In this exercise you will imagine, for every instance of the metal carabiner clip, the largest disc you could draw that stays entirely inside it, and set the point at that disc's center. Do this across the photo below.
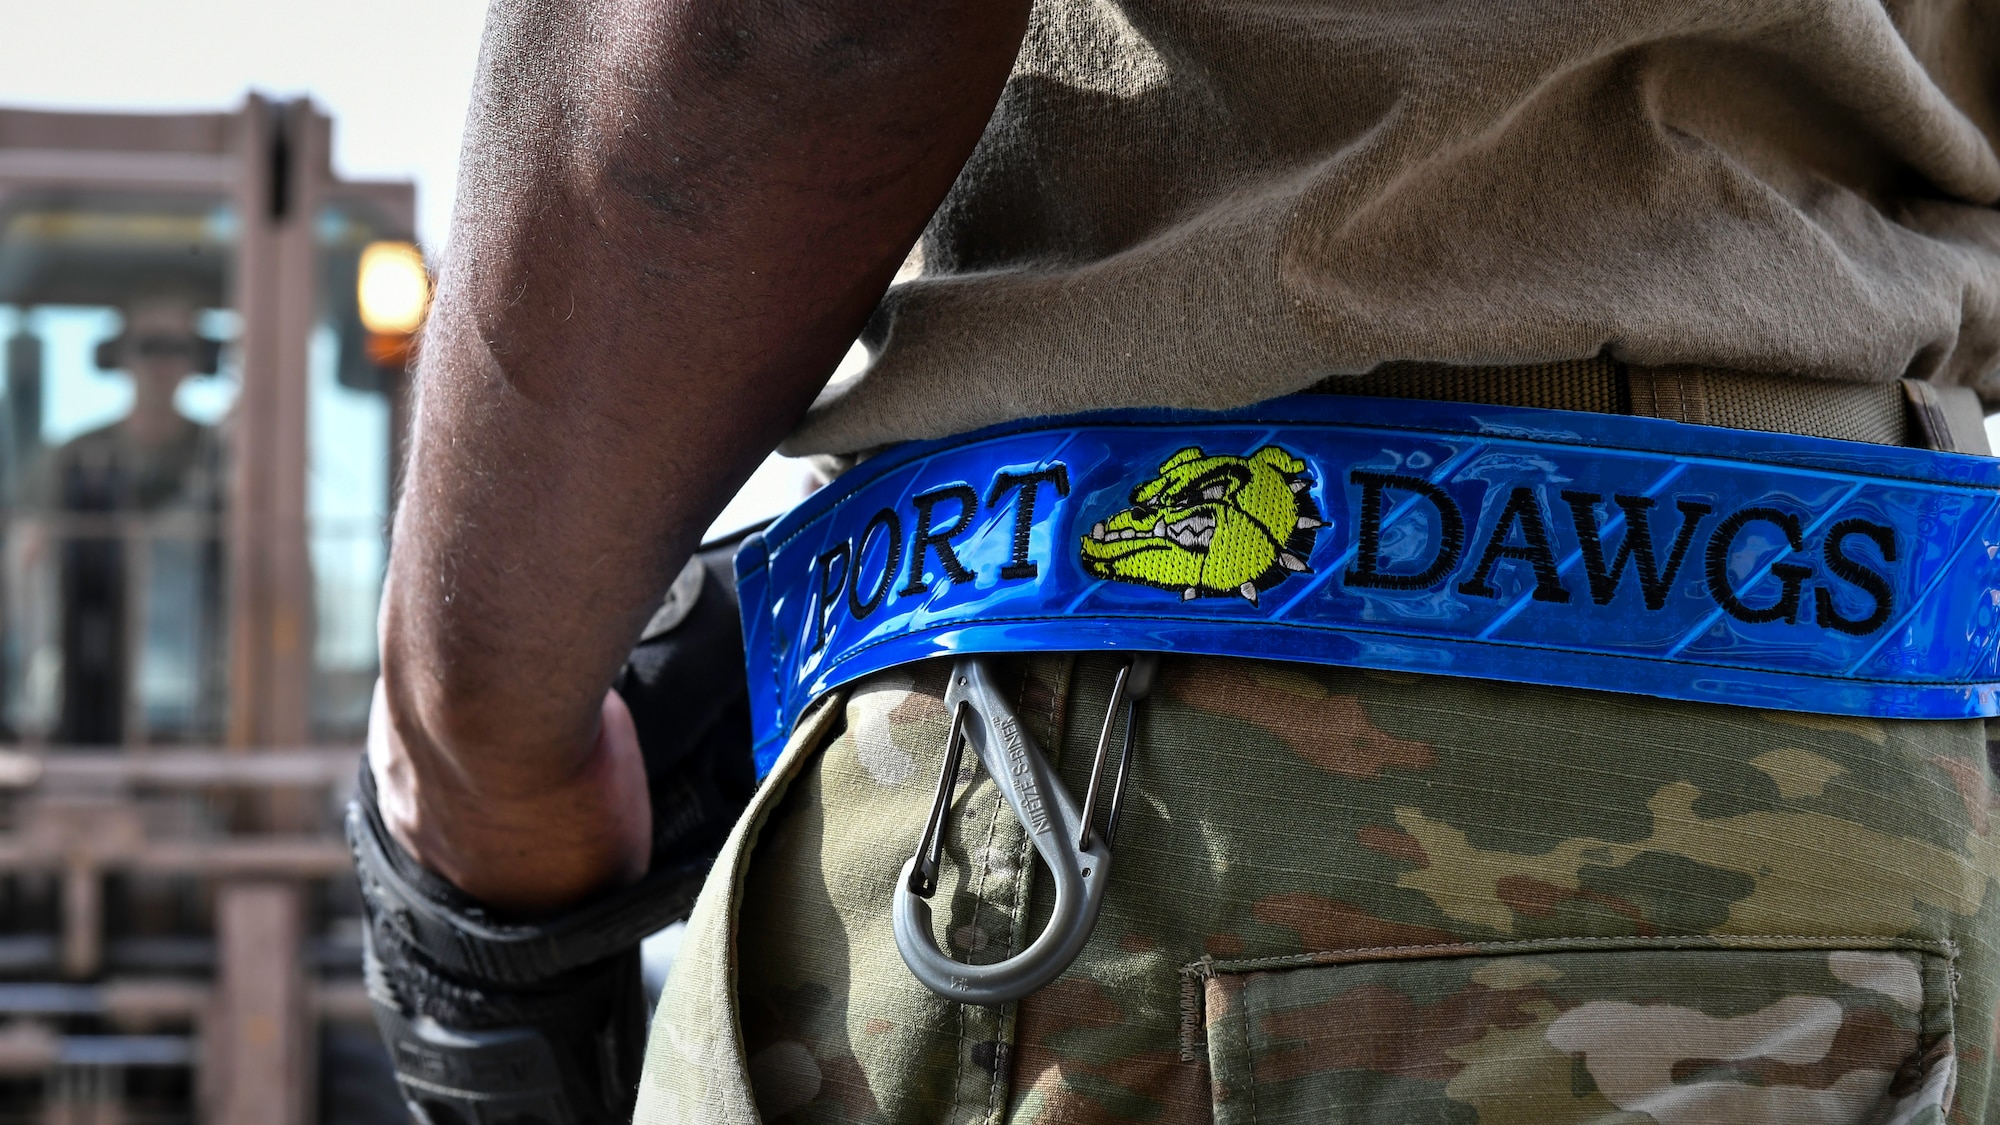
(1077, 858)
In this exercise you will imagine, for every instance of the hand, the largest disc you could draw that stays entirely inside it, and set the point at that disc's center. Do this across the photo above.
(532, 844)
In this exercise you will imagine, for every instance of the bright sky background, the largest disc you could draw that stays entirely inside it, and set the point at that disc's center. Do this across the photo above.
(394, 74)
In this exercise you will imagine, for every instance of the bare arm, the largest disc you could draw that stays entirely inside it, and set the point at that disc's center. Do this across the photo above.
(674, 215)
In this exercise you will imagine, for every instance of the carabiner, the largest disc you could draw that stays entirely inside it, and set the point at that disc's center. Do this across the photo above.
(1079, 861)
(1135, 682)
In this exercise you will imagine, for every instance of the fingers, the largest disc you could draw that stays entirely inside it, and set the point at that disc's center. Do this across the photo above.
(618, 744)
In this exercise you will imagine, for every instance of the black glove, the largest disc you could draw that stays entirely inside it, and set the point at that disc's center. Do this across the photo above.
(492, 1021)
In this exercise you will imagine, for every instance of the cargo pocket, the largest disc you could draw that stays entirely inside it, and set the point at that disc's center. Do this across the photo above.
(1743, 1033)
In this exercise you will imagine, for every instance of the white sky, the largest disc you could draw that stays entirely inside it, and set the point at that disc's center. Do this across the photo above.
(394, 74)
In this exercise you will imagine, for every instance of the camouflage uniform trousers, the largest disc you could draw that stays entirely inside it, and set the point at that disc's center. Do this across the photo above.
(1344, 896)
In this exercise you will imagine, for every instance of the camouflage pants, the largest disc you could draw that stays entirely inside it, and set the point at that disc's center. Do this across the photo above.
(1353, 897)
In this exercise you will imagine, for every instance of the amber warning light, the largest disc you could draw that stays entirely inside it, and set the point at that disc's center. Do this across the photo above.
(393, 291)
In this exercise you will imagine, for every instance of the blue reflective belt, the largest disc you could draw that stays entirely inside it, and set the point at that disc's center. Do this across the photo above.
(1536, 546)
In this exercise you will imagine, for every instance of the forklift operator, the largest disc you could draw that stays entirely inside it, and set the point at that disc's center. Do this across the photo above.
(1479, 509)
(153, 460)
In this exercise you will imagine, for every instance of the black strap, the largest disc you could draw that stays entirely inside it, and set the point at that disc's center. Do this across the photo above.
(464, 939)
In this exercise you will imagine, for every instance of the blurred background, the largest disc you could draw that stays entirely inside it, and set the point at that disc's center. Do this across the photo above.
(219, 223)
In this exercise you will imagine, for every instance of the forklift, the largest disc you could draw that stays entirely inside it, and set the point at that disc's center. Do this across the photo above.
(206, 337)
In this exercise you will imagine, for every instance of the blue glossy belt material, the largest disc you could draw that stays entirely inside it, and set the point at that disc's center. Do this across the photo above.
(1536, 546)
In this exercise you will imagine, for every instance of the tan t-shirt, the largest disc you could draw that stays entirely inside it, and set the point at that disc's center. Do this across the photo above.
(1211, 202)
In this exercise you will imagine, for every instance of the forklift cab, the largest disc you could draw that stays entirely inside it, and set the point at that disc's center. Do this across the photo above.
(205, 334)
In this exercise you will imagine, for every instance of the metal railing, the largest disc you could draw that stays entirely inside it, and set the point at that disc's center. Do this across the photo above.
(80, 817)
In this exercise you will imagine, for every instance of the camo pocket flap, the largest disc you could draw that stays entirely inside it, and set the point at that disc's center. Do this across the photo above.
(1714, 1036)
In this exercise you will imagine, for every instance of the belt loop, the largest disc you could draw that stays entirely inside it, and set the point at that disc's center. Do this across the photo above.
(1949, 419)
(1677, 394)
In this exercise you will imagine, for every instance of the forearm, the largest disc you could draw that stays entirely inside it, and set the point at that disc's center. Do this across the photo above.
(672, 220)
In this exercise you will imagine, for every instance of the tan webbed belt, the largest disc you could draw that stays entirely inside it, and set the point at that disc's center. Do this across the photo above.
(1908, 412)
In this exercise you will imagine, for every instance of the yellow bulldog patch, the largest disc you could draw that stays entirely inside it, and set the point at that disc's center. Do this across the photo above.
(1211, 526)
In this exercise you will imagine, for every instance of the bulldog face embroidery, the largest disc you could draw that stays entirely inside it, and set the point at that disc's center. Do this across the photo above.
(1218, 526)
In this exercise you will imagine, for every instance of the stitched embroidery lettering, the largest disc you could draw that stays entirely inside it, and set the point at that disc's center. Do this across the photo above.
(1211, 526)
